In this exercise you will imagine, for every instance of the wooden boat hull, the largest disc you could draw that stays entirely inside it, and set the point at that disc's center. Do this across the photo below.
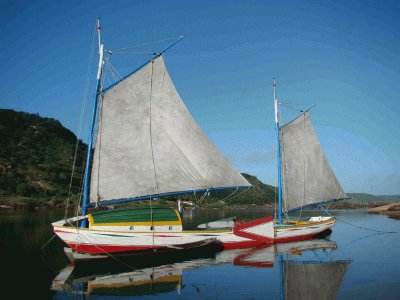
(303, 230)
(258, 232)
(101, 243)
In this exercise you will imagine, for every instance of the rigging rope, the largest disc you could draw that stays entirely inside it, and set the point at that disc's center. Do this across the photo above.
(241, 192)
(304, 172)
(99, 152)
(135, 53)
(365, 228)
(45, 244)
(146, 44)
(151, 145)
(83, 105)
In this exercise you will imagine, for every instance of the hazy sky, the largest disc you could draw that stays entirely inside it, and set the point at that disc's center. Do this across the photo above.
(342, 56)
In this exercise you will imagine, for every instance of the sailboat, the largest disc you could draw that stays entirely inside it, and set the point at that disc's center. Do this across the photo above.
(144, 144)
(305, 179)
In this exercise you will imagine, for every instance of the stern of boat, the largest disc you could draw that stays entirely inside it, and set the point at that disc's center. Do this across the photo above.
(292, 231)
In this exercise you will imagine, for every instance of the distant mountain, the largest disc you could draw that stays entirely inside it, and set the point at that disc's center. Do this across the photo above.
(36, 156)
(362, 198)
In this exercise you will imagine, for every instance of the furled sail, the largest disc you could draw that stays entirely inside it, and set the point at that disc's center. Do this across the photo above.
(148, 142)
(307, 177)
(313, 280)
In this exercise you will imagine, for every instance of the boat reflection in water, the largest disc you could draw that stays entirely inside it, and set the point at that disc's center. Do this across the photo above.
(306, 270)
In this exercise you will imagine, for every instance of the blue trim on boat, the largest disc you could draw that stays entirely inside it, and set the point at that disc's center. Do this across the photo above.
(147, 197)
(317, 204)
(86, 182)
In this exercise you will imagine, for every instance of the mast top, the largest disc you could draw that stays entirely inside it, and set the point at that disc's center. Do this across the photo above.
(98, 27)
(99, 70)
(276, 104)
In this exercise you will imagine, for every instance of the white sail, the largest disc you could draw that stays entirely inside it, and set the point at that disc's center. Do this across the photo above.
(148, 142)
(307, 177)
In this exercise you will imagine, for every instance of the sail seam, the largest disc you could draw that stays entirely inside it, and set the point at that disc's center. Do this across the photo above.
(152, 150)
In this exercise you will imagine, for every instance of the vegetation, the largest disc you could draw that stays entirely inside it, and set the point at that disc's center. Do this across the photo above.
(36, 157)
(260, 194)
(362, 198)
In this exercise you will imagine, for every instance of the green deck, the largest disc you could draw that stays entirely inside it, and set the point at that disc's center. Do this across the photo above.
(141, 214)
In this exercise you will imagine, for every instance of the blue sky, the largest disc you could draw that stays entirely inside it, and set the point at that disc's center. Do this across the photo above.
(342, 56)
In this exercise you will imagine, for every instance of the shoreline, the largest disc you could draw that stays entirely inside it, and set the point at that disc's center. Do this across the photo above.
(388, 209)
(391, 210)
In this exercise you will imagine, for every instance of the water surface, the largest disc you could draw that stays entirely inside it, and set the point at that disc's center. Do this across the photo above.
(354, 263)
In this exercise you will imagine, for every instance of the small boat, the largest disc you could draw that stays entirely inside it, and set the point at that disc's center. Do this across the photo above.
(305, 179)
(144, 145)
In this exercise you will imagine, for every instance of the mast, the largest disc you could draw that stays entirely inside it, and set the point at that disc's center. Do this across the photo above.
(276, 105)
(86, 184)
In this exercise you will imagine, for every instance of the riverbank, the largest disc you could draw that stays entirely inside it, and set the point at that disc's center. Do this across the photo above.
(392, 210)
(33, 203)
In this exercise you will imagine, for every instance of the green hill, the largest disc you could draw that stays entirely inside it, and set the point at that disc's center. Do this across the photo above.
(261, 194)
(36, 157)
(362, 198)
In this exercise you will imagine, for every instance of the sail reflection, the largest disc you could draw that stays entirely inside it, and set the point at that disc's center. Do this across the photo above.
(308, 270)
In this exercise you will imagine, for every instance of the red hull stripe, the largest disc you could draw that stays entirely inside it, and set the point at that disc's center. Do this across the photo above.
(245, 259)
(252, 264)
(239, 230)
(298, 237)
(101, 249)
(242, 245)
(62, 231)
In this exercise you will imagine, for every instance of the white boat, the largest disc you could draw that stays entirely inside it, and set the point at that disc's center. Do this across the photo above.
(145, 144)
(305, 179)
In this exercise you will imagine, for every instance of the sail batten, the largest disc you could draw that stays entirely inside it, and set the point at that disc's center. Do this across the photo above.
(148, 142)
(307, 178)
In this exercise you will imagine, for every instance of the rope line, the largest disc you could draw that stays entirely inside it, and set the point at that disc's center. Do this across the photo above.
(145, 53)
(83, 105)
(152, 149)
(365, 228)
(145, 44)
(233, 196)
(45, 244)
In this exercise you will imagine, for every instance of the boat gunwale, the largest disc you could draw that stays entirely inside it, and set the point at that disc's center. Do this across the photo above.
(306, 223)
(144, 232)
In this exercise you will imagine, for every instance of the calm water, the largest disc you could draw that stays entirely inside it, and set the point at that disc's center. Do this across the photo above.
(353, 264)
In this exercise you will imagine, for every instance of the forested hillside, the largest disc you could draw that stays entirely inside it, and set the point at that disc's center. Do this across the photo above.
(36, 156)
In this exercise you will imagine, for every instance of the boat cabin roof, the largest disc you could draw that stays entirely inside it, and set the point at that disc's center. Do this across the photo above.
(140, 214)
